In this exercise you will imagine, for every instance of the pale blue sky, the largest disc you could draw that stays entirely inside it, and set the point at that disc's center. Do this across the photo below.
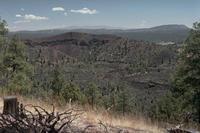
(47, 14)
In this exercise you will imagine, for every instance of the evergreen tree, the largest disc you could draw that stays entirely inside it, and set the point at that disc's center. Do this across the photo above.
(185, 96)
(113, 96)
(124, 100)
(15, 68)
(71, 92)
(68, 91)
(167, 109)
(58, 83)
(92, 94)
(187, 78)
(3, 44)
(3, 28)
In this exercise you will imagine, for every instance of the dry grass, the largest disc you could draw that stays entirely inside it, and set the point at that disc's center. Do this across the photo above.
(137, 123)
(94, 116)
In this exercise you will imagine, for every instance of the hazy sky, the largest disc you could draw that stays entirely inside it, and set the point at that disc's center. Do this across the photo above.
(47, 14)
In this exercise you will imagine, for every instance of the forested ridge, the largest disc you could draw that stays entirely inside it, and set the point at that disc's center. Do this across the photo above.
(122, 75)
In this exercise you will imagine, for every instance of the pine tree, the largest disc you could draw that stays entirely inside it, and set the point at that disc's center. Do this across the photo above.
(124, 100)
(92, 94)
(3, 44)
(184, 97)
(187, 76)
(16, 68)
(71, 92)
(167, 109)
(113, 96)
(58, 82)
(3, 28)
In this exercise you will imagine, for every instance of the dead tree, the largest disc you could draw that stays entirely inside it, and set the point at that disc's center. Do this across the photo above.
(38, 120)
(10, 105)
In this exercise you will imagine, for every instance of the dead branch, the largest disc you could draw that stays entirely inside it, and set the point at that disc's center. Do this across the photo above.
(105, 127)
(87, 127)
(39, 120)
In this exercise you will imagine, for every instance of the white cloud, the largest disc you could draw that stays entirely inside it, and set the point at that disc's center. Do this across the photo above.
(34, 17)
(65, 14)
(27, 18)
(60, 9)
(12, 28)
(18, 15)
(85, 11)
(22, 9)
(22, 21)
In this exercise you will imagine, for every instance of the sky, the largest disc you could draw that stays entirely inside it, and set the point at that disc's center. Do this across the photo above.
(51, 14)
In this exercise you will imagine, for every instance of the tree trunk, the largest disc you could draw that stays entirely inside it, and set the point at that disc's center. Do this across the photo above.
(11, 105)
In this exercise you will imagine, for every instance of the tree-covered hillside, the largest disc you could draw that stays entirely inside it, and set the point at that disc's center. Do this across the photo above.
(122, 75)
(107, 61)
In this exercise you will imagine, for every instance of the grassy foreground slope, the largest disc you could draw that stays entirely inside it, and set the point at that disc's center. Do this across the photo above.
(91, 119)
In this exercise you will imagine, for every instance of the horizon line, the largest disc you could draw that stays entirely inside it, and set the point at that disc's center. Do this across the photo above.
(92, 27)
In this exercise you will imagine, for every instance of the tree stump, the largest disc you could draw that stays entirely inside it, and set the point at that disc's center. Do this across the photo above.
(11, 105)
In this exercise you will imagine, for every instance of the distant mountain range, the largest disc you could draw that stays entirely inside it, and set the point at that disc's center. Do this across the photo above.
(175, 33)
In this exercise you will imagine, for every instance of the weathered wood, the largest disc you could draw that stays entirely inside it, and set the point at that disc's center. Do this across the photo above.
(177, 130)
(11, 105)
